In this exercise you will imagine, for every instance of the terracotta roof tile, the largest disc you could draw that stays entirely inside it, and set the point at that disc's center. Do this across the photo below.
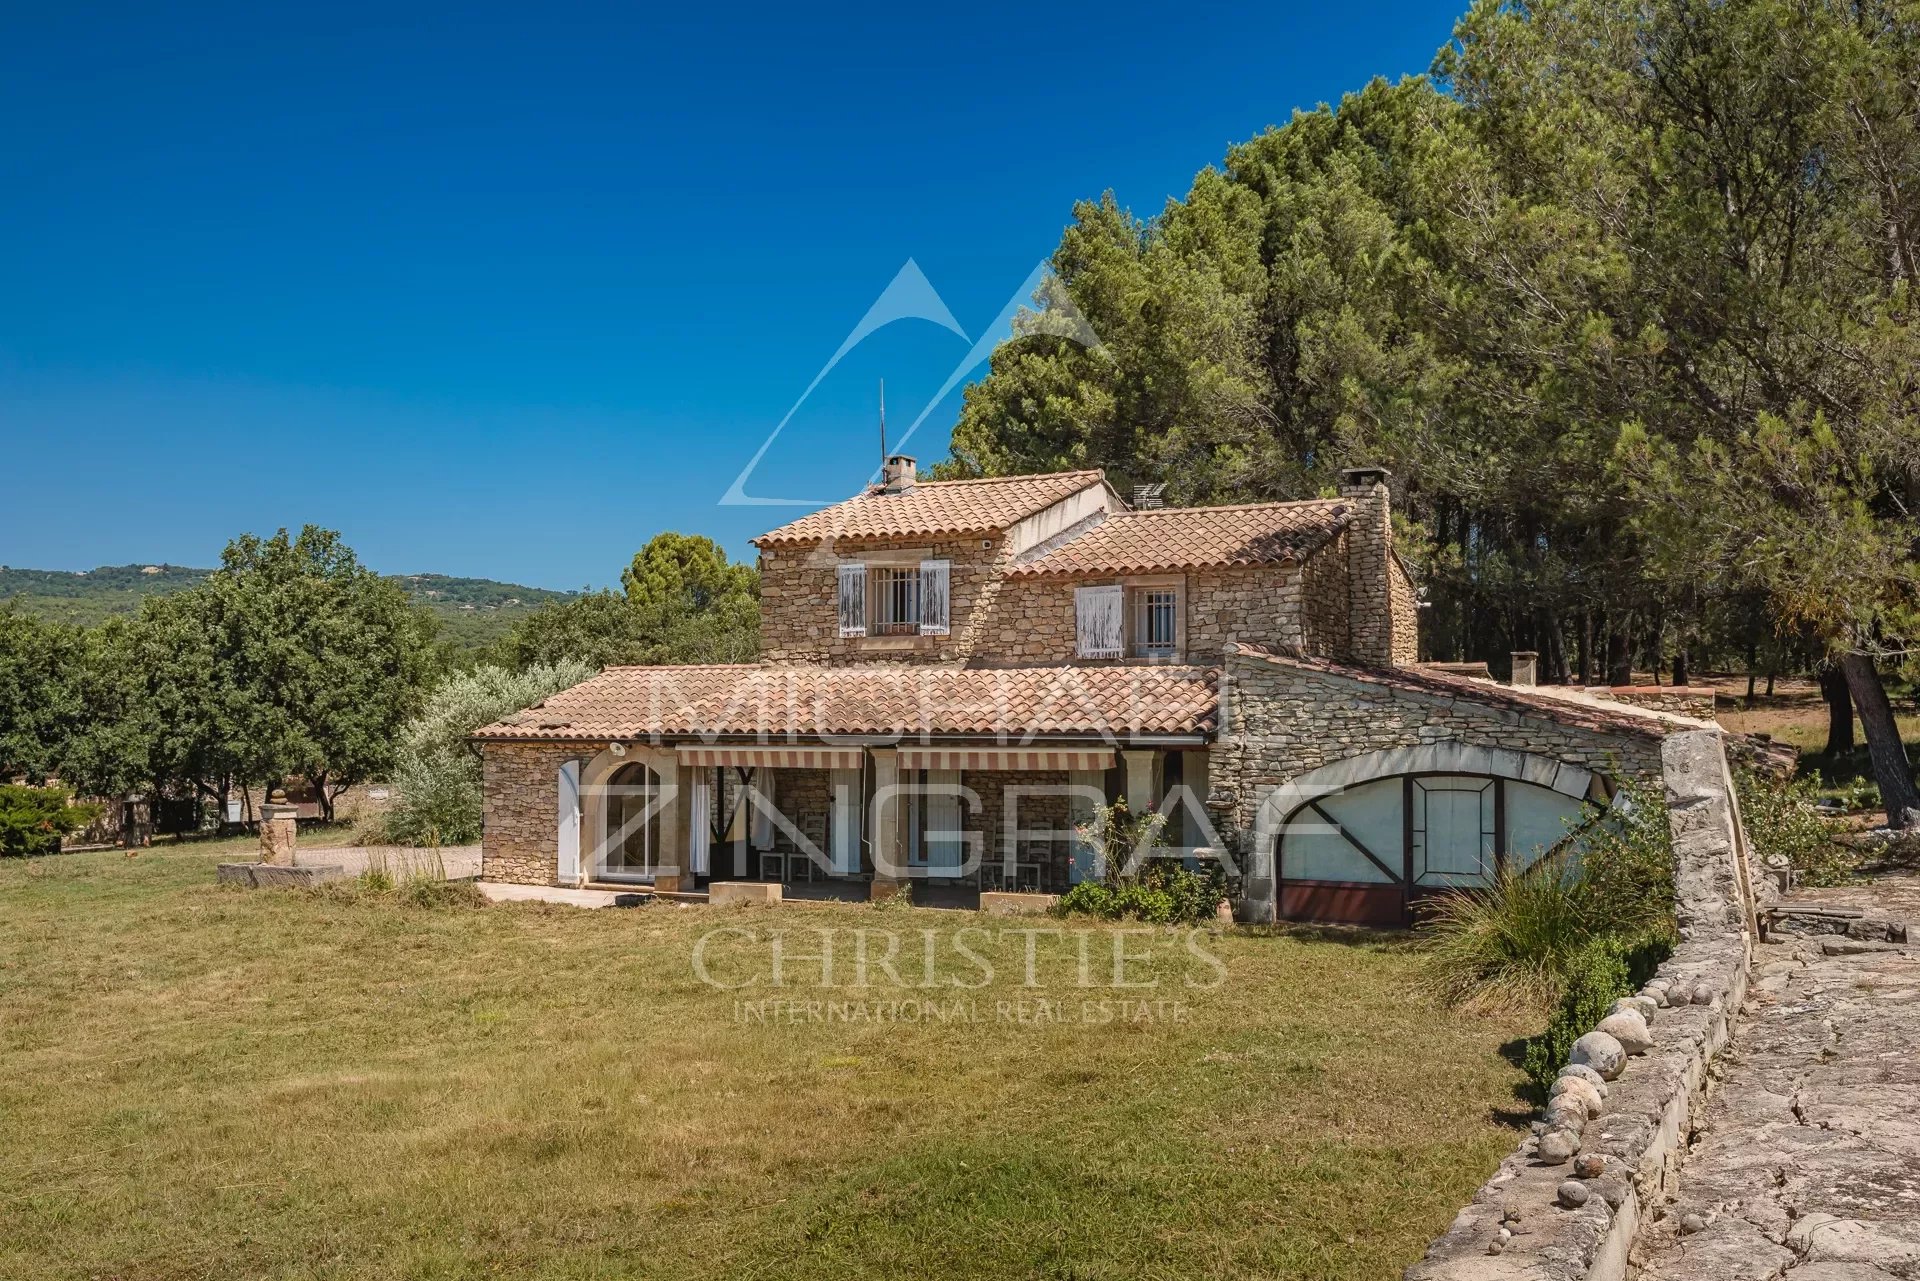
(770, 703)
(1170, 538)
(934, 507)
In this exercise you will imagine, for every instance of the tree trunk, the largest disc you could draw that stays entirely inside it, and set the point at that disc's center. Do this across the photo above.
(1585, 647)
(1680, 672)
(1890, 768)
(1833, 688)
(1619, 657)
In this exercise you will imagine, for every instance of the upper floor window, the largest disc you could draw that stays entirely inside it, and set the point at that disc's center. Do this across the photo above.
(1155, 619)
(901, 599)
(893, 595)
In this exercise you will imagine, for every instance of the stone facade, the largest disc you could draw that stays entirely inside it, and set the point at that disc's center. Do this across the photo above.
(1679, 700)
(1351, 600)
(799, 614)
(1406, 614)
(1325, 630)
(521, 811)
(1369, 549)
(1281, 720)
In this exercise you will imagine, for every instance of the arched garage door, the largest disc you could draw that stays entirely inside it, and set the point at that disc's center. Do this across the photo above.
(1367, 853)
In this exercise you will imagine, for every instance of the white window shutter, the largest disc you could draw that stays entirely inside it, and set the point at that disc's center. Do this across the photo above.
(853, 599)
(1097, 617)
(935, 576)
(567, 782)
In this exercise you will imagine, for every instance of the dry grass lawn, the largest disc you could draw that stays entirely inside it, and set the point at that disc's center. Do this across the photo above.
(201, 1082)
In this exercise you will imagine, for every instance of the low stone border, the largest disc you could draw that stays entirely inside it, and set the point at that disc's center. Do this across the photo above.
(1568, 1203)
(1015, 903)
(1848, 922)
(729, 893)
(273, 875)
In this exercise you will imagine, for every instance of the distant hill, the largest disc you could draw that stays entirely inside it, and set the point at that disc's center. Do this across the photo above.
(471, 611)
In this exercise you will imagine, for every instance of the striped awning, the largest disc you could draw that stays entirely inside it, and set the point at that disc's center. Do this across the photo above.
(1081, 758)
(773, 757)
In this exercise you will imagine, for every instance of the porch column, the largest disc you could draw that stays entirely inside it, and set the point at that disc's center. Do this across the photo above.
(888, 858)
(673, 872)
(1139, 762)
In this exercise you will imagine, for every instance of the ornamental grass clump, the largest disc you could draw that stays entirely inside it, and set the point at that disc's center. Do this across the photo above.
(1521, 942)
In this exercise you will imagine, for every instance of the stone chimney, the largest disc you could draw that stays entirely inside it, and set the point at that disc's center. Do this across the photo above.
(896, 474)
(1369, 544)
(1526, 669)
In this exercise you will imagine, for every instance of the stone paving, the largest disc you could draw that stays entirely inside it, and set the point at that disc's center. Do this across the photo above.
(1806, 1163)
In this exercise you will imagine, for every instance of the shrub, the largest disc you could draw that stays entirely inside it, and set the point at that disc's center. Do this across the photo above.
(33, 819)
(436, 777)
(1165, 893)
(1596, 976)
(1783, 819)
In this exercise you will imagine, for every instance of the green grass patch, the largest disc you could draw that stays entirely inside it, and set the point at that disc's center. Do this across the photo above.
(352, 1082)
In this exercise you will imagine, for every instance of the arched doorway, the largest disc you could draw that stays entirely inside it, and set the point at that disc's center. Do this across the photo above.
(630, 837)
(1368, 851)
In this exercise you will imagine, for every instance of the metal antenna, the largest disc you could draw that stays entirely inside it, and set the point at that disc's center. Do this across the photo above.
(883, 422)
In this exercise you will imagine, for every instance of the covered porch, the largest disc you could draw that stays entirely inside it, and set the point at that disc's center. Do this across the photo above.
(843, 820)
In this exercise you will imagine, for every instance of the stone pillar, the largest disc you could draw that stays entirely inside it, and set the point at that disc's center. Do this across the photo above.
(1369, 544)
(278, 828)
(672, 874)
(1526, 669)
(889, 858)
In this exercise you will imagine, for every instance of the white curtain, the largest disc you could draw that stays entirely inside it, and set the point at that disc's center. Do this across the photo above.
(700, 826)
(846, 822)
(944, 841)
(762, 779)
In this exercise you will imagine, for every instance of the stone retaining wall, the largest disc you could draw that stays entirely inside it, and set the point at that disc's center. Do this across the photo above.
(1549, 1217)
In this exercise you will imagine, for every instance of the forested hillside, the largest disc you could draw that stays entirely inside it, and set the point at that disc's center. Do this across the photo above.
(472, 612)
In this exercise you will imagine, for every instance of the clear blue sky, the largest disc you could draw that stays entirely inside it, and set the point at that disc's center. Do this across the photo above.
(504, 293)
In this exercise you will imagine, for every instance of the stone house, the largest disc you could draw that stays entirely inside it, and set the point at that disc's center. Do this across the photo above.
(957, 673)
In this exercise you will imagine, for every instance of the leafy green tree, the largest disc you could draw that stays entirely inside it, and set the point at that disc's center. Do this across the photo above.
(437, 776)
(33, 819)
(39, 708)
(684, 603)
(292, 658)
(329, 659)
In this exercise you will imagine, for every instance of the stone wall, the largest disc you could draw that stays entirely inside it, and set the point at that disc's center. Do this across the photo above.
(1567, 1204)
(1325, 630)
(1679, 700)
(1041, 812)
(519, 838)
(1282, 720)
(1405, 602)
(1369, 548)
(799, 606)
